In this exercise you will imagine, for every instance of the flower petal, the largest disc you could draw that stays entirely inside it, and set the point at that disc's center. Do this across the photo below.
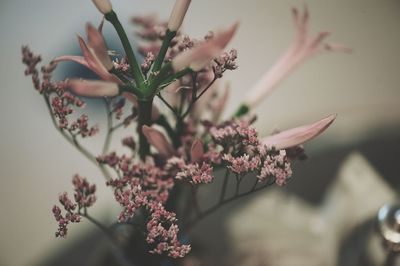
(199, 56)
(158, 141)
(197, 151)
(93, 88)
(303, 47)
(298, 135)
(75, 58)
(95, 64)
(97, 43)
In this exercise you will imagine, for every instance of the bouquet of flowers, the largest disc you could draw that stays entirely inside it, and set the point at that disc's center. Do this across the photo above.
(176, 143)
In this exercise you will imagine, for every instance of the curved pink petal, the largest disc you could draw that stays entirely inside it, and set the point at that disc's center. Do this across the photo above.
(199, 56)
(298, 135)
(97, 43)
(197, 151)
(303, 47)
(93, 88)
(75, 58)
(95, 64)
(158, 141)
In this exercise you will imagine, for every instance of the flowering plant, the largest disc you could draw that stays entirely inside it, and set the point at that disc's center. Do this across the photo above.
(178, 145)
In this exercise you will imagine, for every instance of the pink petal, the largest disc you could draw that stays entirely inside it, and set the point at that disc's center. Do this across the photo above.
(302, 48)
(93, 88)
(158, 141)
(197, 151)
(97, 43)
(199, 56)
(75, 58)
(298, 135)
(94, 63)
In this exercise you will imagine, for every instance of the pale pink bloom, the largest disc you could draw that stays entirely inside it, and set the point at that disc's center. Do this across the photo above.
(199, 56)
(93, 88)
(177, 14)
(158, 141)
(104, 6)
(197, 151)
(298, 135)
(303, 47)
(95, 55)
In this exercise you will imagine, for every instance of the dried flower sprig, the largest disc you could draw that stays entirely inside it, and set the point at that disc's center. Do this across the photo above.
(175, 152)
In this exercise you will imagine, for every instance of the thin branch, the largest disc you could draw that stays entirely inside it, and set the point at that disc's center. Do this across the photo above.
(214, 208)
(74, 141)
(224, 186)
(108, 138)
(167, 104)
(197, 98)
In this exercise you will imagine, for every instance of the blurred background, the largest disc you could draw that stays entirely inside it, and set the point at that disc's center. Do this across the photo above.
(362, 88)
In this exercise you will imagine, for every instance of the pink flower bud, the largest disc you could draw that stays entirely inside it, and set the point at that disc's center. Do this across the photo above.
(298, 135)
(178, 14)
(104, 6)
(97, 43)
(93, 88)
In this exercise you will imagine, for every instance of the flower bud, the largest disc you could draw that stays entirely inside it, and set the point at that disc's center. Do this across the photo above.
(177, 14)
(104, 6)
(299, 135)
(93, 88)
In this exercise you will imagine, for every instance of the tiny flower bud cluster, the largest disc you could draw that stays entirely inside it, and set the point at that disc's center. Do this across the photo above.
(83, 196)
(61, 101)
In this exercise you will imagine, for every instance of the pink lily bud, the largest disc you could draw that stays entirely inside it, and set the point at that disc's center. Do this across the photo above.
(197, 151)
(104, 6)
(97, 43)
(199, 56)
(158, 141)
(298, 135)
(178, 13)
(93, 88)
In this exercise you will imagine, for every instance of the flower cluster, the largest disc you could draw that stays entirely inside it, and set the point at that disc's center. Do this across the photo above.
(84, 197)
(177, 104)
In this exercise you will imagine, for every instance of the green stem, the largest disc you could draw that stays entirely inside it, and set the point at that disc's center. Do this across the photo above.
(136, 72)
(169, 35)
(144, 118)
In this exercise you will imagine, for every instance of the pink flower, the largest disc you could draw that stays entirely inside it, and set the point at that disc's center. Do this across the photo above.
(199, 56)
(303, 47)
(298, 135)
(95, 55)
(178, 13)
